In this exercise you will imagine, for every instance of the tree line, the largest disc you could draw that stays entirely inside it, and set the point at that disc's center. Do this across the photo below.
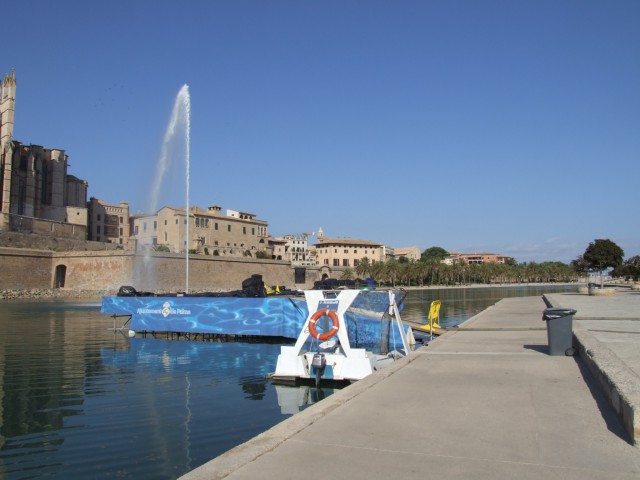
(601, 255)
(425, 272)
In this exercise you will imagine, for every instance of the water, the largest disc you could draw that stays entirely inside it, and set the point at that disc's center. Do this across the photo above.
(460, 304)
(79, 401)
(177, 134)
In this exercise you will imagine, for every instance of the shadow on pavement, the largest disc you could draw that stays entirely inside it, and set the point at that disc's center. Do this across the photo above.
(607, 412)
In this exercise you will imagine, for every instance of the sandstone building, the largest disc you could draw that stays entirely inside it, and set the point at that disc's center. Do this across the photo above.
(108, 223)
(210, 231)
(345, 252)
(294, 249)
(410, 253)
(476, 258)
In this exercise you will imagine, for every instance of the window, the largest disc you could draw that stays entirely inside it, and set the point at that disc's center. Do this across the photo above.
(356, 262)
(120, 231)
(345, 262)
(215, 226)
(120, 219)
(176, 221)
(165, 236)
(135, 230)
(346, 251)
(253, 231)
(244, 230)
(336, 262)
(98, 229)
(228, 228)
(155, 225)
(99, 217)
(165, 222)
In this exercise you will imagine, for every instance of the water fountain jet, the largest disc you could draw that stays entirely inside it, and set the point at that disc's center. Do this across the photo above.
(180, 122)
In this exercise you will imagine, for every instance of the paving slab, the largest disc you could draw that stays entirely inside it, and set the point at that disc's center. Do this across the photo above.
(483, 402)
(607, 332)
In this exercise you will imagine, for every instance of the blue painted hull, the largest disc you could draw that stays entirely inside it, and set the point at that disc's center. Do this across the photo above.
(269, 316)
(275, 316)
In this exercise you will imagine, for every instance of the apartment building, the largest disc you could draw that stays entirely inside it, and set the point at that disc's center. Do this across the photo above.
(108, 223)
(294, 248)
(346, 252)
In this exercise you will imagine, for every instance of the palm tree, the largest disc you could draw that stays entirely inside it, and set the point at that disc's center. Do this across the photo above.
(377, 271)
(364, 267)
(347, 274)
(392, 269)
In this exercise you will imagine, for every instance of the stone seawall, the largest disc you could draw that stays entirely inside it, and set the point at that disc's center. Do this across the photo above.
(26, 269)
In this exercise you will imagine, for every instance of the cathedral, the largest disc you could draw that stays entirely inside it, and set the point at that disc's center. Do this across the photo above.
(37, 195)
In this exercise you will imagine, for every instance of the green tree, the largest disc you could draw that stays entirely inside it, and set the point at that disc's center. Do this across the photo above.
(602, 254)
(434, 254)
(364, 267)
(629, 269)
(377, 271)
(347, 274)
(392, 271)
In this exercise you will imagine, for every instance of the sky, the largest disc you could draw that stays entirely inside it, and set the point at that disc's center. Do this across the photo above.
(495, 126)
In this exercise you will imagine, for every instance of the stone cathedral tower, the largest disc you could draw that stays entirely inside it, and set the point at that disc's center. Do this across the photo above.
(37, 195)
(7, 110)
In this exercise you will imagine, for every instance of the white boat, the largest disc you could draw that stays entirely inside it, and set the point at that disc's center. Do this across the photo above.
(324, 351)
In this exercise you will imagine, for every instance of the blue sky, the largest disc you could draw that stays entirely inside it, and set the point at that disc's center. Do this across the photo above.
(508, 127)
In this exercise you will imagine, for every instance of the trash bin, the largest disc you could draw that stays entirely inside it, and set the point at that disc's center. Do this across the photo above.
(559, 330)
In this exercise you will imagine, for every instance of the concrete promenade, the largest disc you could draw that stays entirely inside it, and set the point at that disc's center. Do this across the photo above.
(484, 401)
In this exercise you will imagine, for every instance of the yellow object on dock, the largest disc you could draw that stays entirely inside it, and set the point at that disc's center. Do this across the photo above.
(432, 325)
(434, 314)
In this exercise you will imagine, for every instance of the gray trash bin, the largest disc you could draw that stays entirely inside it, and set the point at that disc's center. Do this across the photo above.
(559, 330)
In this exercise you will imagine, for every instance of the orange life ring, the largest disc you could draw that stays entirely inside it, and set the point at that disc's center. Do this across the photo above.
(335, 325)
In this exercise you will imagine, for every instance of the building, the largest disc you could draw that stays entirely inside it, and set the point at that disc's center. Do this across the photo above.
(346, 252)
(476, 258)
(294, 249)
(108, 223)
(410, 253)
(278, 248)
(210, 231)
(37, 195)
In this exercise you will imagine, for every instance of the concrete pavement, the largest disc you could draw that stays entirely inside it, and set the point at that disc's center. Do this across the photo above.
(483, 402)
(607, 333)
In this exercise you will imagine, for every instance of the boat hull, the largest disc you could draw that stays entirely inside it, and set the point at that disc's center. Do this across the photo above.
(253, 316)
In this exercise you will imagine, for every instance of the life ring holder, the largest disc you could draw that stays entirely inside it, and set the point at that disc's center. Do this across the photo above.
(335, 324)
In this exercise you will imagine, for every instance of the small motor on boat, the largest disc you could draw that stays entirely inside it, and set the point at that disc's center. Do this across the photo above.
(318, 363)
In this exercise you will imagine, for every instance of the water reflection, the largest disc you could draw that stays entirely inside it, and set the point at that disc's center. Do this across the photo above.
(79, 401)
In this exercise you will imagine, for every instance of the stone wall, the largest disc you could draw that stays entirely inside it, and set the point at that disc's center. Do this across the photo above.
(48, 242)
(25, 269)
(108, 270)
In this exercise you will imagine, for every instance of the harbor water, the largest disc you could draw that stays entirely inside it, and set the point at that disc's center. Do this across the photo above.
(78, 400)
